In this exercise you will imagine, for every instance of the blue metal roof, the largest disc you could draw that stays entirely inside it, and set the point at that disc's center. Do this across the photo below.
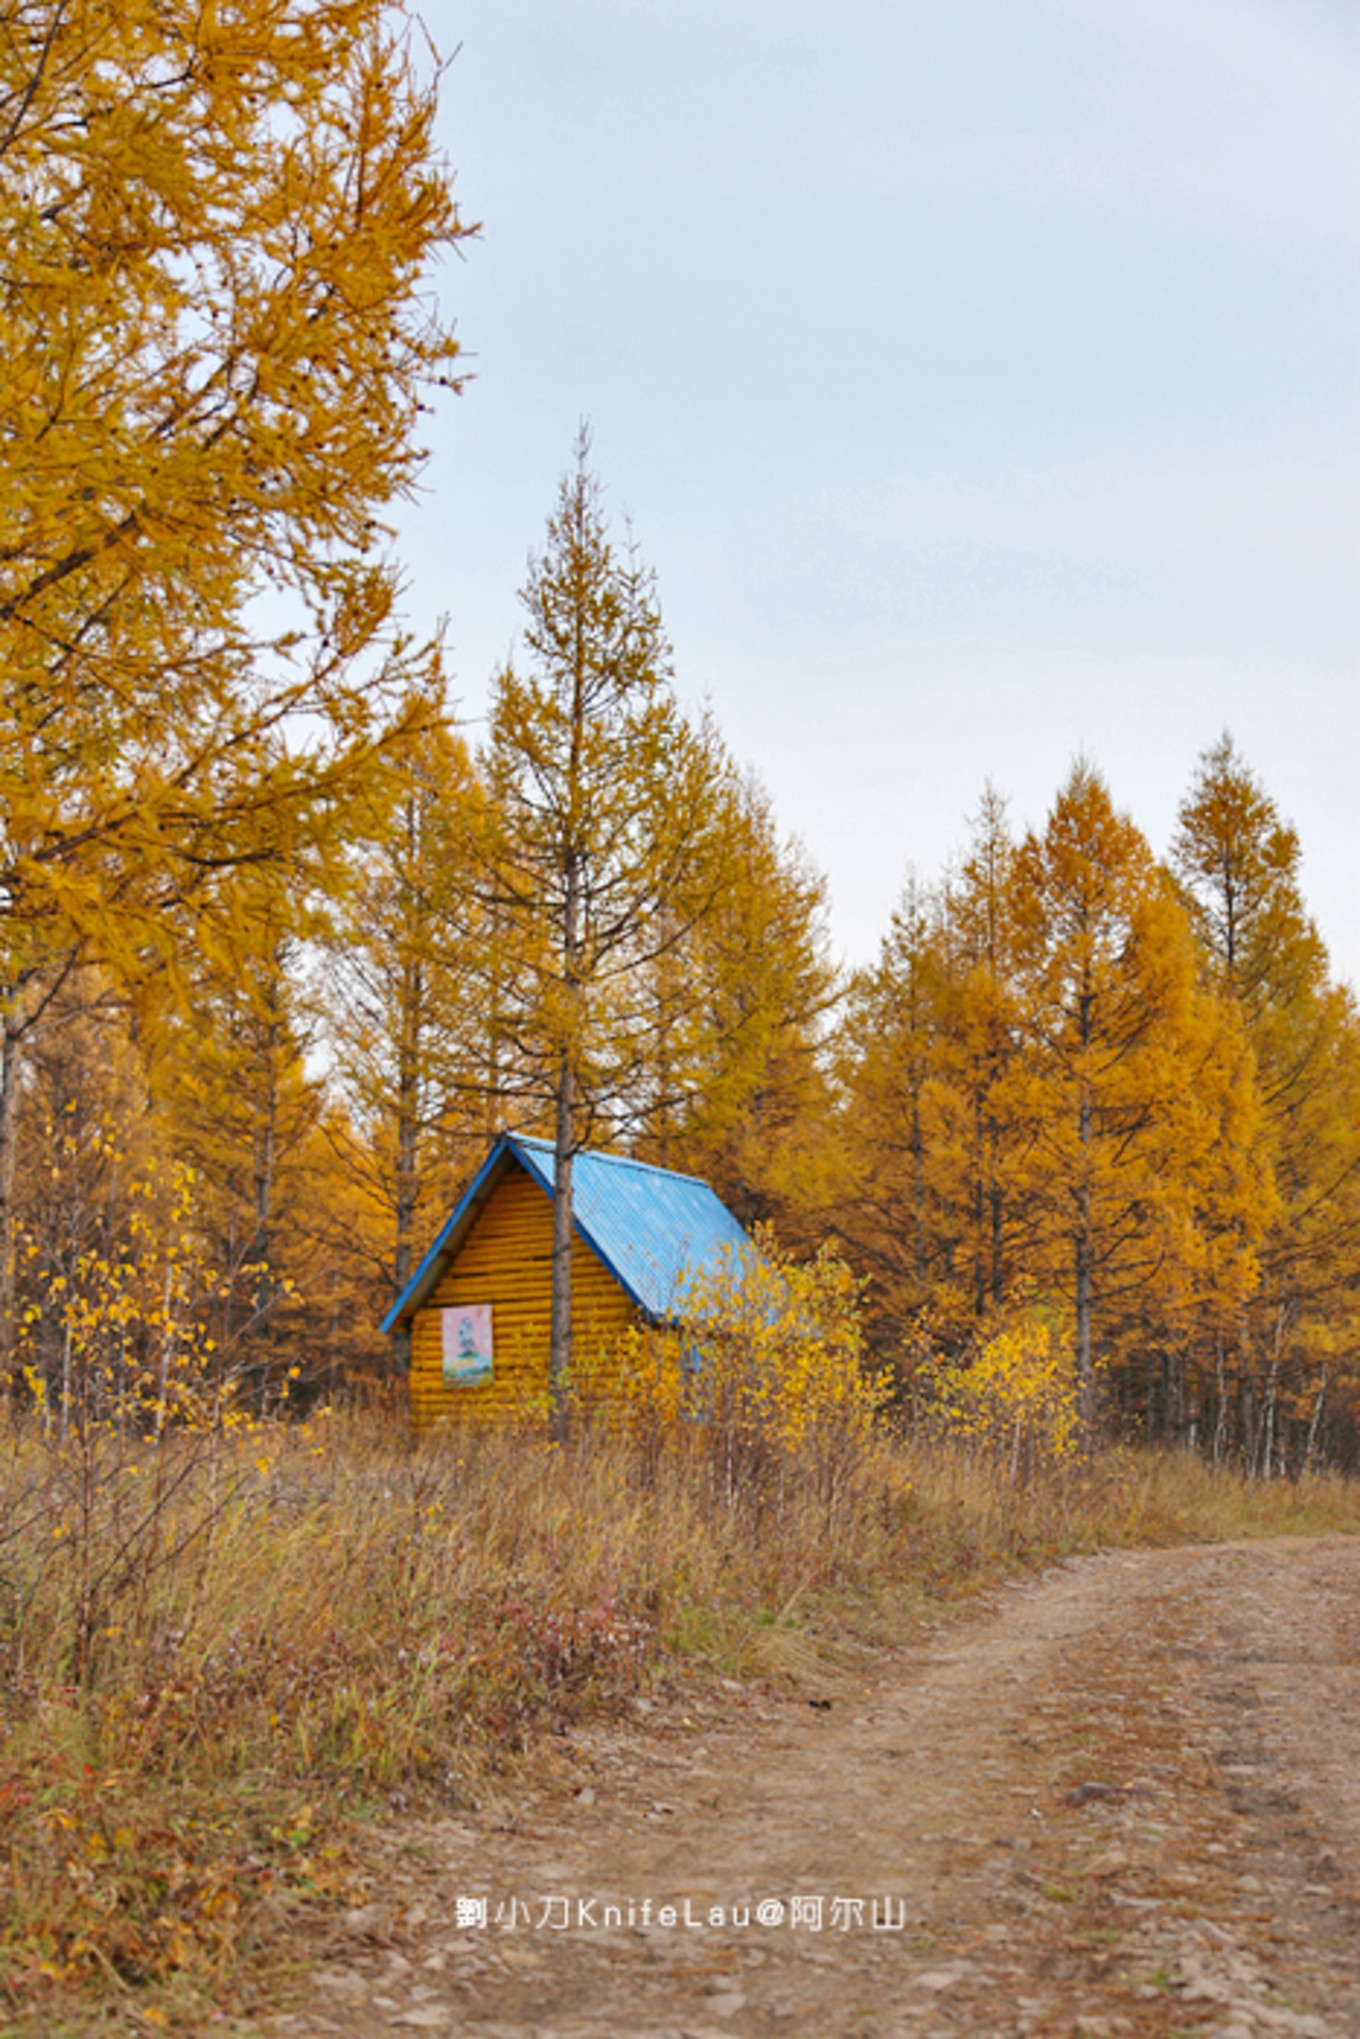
(649, 1226)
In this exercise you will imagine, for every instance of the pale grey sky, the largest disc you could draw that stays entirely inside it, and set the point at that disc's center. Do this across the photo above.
(980, 377)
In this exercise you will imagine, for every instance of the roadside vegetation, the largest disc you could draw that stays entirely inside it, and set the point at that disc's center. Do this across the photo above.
(226, 1649)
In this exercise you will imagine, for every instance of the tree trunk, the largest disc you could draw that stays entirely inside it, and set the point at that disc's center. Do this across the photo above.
(1268, 1427)
(998, 1230)
(1310, 1457)
(559, 1355)
(408, 1139)
(564, 1146)
(9, 1137)
(1221, 1425)
(918, 1170)
(980, 1282)
(1085, 1376)
(262, 1195)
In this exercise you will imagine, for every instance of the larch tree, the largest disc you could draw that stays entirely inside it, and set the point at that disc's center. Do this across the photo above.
(1133, 1079)
(980, 1061)
(935, 1125)
(227, 1062)
(888, 1072)
(89, 1146)
(410, 950)
(217, 227)
(1239, 865)
(735, 1088)
(604, 851)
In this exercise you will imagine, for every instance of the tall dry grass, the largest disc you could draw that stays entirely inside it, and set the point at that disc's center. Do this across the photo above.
(216, 1651)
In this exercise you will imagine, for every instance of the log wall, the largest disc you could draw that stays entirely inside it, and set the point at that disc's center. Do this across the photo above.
(506, 1261)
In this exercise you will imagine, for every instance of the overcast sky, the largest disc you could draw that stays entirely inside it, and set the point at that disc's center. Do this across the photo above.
(979, 375)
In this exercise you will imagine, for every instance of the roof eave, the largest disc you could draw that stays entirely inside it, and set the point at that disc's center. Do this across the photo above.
(431, 1267)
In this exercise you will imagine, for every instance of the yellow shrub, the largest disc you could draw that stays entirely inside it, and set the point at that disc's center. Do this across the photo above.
(1014, 1395)
(114, 1333)
(768, 1366)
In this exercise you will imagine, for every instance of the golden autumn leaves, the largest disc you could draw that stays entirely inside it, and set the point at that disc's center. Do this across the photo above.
(216, 226)
(1057, 1083)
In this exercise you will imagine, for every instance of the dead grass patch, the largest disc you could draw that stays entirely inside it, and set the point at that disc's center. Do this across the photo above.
(217, 1655)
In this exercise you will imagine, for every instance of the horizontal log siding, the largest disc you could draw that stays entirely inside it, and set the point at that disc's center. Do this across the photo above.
(506, 1260)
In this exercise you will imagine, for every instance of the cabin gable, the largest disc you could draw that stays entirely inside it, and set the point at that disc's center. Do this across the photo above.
(503, 1262)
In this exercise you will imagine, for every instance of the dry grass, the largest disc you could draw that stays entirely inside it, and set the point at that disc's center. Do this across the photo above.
(216, 1654)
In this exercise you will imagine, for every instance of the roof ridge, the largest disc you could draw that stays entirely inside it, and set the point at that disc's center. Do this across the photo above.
(600, 1154)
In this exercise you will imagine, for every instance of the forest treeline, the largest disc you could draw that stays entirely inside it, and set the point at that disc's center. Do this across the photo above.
(1079, 1081)
(281, 947)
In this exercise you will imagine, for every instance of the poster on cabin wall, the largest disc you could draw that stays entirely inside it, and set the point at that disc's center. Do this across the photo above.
(467, 1344)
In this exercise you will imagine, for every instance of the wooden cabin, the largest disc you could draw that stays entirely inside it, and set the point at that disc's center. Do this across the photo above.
(479, 1305)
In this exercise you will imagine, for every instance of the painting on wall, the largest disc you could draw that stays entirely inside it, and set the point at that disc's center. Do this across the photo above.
(467, 1344)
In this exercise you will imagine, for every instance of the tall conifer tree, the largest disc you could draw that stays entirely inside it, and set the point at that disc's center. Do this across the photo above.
(411, 953)
(1134, 1070)
(604, 851)
(1239, 864)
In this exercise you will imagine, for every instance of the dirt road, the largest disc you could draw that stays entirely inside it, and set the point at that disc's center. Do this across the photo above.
(1123, 1799)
